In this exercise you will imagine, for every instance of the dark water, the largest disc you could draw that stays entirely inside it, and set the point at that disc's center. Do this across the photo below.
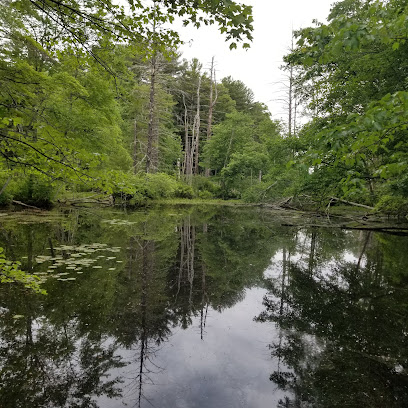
(202, 307)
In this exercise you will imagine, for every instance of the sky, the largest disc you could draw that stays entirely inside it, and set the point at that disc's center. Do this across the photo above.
(257, 67)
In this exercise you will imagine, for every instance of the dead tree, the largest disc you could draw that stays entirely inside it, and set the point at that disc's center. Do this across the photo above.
(152, 155)
(213, 101)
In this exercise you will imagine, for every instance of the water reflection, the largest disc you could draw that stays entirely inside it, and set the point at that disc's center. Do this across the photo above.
(341, 311)
(156, 308)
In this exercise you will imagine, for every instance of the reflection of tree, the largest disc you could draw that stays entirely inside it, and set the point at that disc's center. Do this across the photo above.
(344, 330)
(173, 272)
(184, 286)
(204, 294)
(215, 263)
(142, 318)
(42, 364)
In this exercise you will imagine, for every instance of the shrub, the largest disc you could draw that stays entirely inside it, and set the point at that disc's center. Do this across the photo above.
(256, 193)
(138, 189)
(393, 205)
(183, 191)
(159, 185)
(201, 183)
(205, 195)
(35, 189)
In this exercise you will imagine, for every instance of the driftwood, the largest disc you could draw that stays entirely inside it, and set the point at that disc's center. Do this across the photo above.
(383, 228)
(25, 205)
(395, 230)
(268, 188)
(347, 202)
(88, 200)
(285, 204)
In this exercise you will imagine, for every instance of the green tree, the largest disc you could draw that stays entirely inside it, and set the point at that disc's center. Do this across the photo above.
(353, 74)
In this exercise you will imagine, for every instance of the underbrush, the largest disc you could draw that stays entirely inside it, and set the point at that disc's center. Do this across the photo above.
(31, 189)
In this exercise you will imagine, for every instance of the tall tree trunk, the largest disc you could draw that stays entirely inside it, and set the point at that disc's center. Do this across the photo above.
(211, 108)
(187, 165)
(290, 96)
(135, 148)
(197, 120)
(152, 135)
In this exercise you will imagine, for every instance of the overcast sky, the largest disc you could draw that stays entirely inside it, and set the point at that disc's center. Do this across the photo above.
(258, 67)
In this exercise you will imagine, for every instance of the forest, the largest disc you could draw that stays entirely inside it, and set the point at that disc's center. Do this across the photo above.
(96, 100)
(95, 97)
(165, 242)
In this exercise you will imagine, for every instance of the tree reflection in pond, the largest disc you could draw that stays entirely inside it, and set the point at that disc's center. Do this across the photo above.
(156, 306)
(118, 286)
(343, 318)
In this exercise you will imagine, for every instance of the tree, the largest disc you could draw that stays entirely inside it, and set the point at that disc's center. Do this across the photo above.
(211, 105)
(352, 74)
(45, 28)
(240, 93)
(80, 22)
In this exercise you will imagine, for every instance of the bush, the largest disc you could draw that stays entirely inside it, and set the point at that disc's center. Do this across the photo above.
(393, 205)
(36, 190)
(183, 191)
(205, 195)
(138, 200)
(140, 188)
(257, 193)
(201, 184)
(159, 185)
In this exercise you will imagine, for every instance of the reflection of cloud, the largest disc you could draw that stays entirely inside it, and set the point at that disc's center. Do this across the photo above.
(230, 368)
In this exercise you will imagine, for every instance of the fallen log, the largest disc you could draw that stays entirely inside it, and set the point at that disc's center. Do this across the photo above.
(25, 205)
(349, 203)
(89, 200)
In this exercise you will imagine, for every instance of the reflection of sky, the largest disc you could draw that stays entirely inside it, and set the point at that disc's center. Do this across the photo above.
(229, 368)
(326, 270)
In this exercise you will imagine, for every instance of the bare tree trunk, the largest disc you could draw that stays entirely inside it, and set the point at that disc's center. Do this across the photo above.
(5, 185)
(152, 136)
(186, 139)
(290, 100)
(135, 148)
(211, 108)
(295, 114)
(196, 135)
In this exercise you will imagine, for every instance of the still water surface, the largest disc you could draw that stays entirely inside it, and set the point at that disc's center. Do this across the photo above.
(203, 307)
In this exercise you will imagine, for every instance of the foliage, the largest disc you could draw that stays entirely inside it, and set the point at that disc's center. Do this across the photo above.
(138, 189)
(393, 205)
(34, 189)
(183, 191)
(79, 22)
(204, 187)
(10, 272)
(352, 76)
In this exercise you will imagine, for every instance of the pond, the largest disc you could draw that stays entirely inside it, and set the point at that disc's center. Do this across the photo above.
(209, 307)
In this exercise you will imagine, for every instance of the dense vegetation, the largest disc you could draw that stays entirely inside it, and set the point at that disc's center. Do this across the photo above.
(95, 97)
(352, 74)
